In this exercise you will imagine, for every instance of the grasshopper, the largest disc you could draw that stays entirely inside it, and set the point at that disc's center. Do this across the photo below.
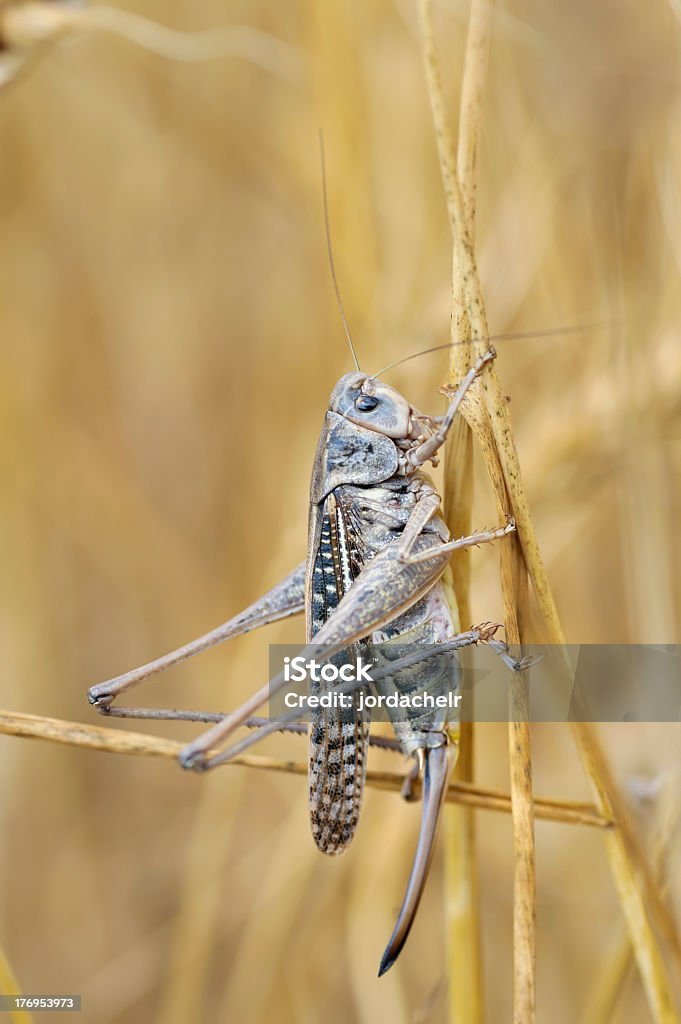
(377, 551)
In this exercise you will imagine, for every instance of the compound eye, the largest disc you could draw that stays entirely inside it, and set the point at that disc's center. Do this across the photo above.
(365, 403)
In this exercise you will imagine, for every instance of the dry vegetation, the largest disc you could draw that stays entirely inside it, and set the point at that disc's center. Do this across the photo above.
(169, 339)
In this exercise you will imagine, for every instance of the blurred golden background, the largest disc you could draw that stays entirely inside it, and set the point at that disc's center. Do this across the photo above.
(169, 338)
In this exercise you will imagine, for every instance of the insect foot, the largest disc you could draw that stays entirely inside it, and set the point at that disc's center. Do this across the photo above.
(193, 760)
(515, 664)
(487, 357)
(487, 630)
(100, 697)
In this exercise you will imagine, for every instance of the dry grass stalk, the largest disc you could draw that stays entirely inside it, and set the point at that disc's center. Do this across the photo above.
(462, 908)
(466, 993)
(612, 976)
(638, 891)
(28, 30)
(481, 415)
(119, 741)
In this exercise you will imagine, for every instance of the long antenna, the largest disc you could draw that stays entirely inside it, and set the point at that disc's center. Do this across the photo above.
(511, 336)
(330, 251)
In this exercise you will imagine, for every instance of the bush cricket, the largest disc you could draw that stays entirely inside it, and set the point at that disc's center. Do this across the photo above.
(377, 551)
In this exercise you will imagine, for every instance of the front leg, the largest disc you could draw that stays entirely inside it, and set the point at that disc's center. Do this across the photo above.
(425, 451)
(285, 599)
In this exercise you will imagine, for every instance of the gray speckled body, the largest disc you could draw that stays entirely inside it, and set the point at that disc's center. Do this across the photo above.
(364, 493)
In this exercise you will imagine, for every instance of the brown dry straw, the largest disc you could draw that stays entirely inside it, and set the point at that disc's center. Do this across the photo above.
(602, 1001)
(119, 741)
